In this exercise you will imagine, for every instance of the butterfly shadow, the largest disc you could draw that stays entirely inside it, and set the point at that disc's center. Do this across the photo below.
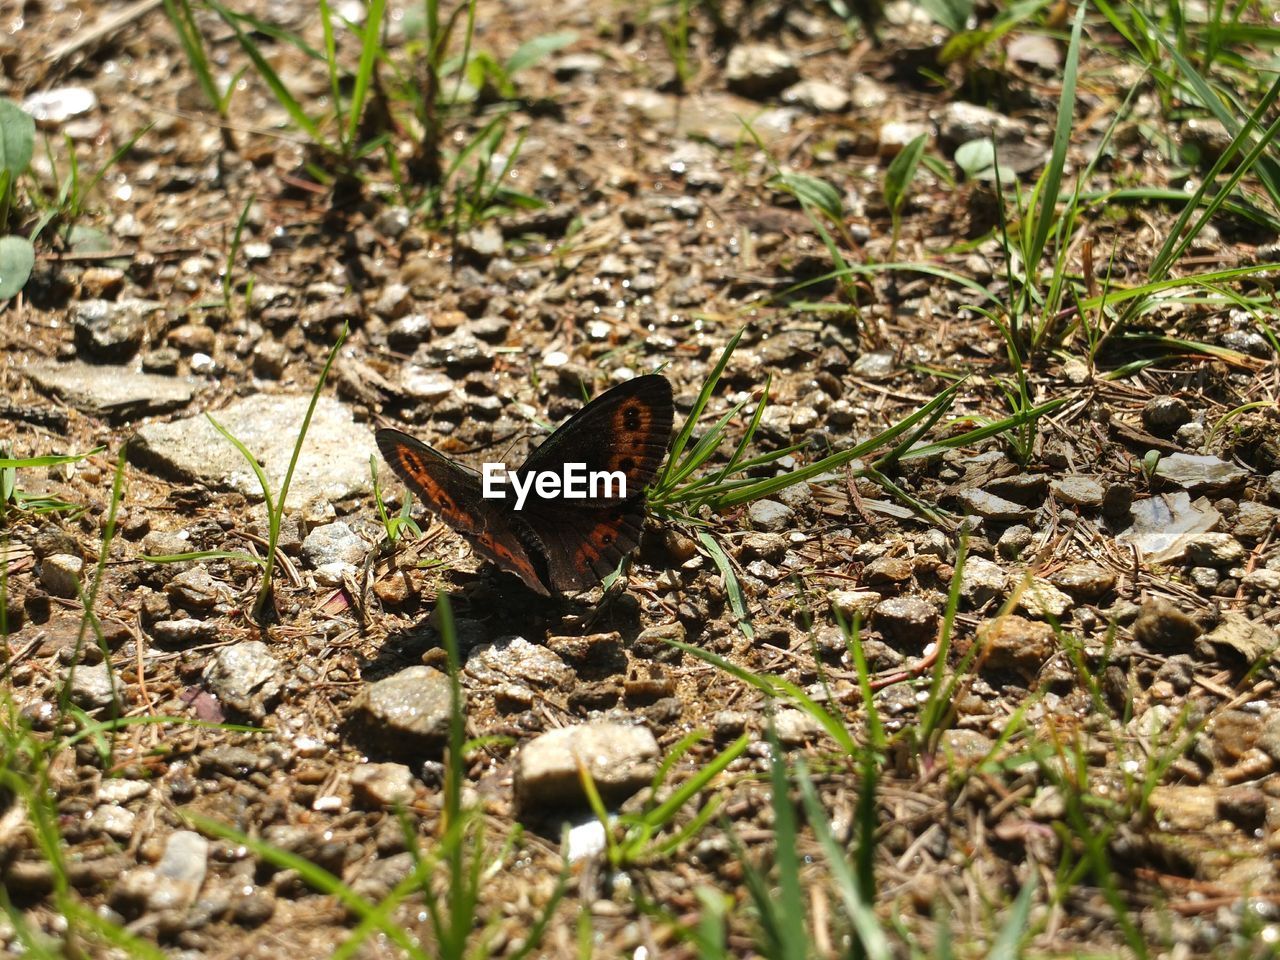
(496, 613)
(496, 606)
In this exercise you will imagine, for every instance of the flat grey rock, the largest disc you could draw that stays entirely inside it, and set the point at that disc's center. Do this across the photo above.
(245, 677)
(115, 393)
(407, 710)
(989, 506)
(759, 70)
(1196, 472)
(770, 515)
(620, 758)
(95, 687)
(334, 463)
(515, 658)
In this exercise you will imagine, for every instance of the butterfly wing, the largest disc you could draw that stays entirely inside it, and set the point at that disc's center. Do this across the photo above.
(453, 493)
(624, 430)
(582, 547)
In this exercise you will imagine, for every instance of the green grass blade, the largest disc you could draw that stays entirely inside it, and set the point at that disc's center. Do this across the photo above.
(791, 913)
(779, 688)
(901, 171)
(1267, 169)
(330, 57)
(737, 600)
(838, 460)
(184, 24)
(700, 404)
(871, 269)
(269, 76)
(116, 156)
(539, 48)
(749, 434)
(857, 899)
(812, 192)
(690, 788)
(311, 409)
(875, 728)
(1049, 184)
(53, 460)
(371, 42)
(703, 449)
(258, 472)
(710, 937)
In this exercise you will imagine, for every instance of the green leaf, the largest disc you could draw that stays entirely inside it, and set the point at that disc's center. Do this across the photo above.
(977, 160)
(975, 157)
(1014, 930)
(17, 137)
(811, 192)
(737, 600)
(1051, 179)
(17, 258)
(902, 171)
(952, 14)
(531, 51)
(86, 239)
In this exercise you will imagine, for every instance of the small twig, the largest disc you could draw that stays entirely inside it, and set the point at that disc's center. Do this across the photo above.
(101, 30)
(22, 654)
(139, 643)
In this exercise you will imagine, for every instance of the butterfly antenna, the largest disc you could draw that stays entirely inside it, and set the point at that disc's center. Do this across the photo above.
(514, 437)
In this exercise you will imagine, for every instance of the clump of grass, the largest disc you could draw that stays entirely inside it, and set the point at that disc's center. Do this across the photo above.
(785, 927)
(381, 104)
(688, 484)
(61, 203)
(67, 200)
(393, 527)
(183, 20)
(645, 838)
(1050, 308)
(275, 504)
(16, 502)
(688, 487)
(450, 875)
(27, 789)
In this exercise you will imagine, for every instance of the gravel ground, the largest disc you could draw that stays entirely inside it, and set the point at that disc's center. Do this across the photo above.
(1108, 727)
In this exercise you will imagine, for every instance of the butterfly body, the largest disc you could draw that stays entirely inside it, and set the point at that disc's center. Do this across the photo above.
(553, 543)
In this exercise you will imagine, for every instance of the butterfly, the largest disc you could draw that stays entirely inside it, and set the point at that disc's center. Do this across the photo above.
(554, 544)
